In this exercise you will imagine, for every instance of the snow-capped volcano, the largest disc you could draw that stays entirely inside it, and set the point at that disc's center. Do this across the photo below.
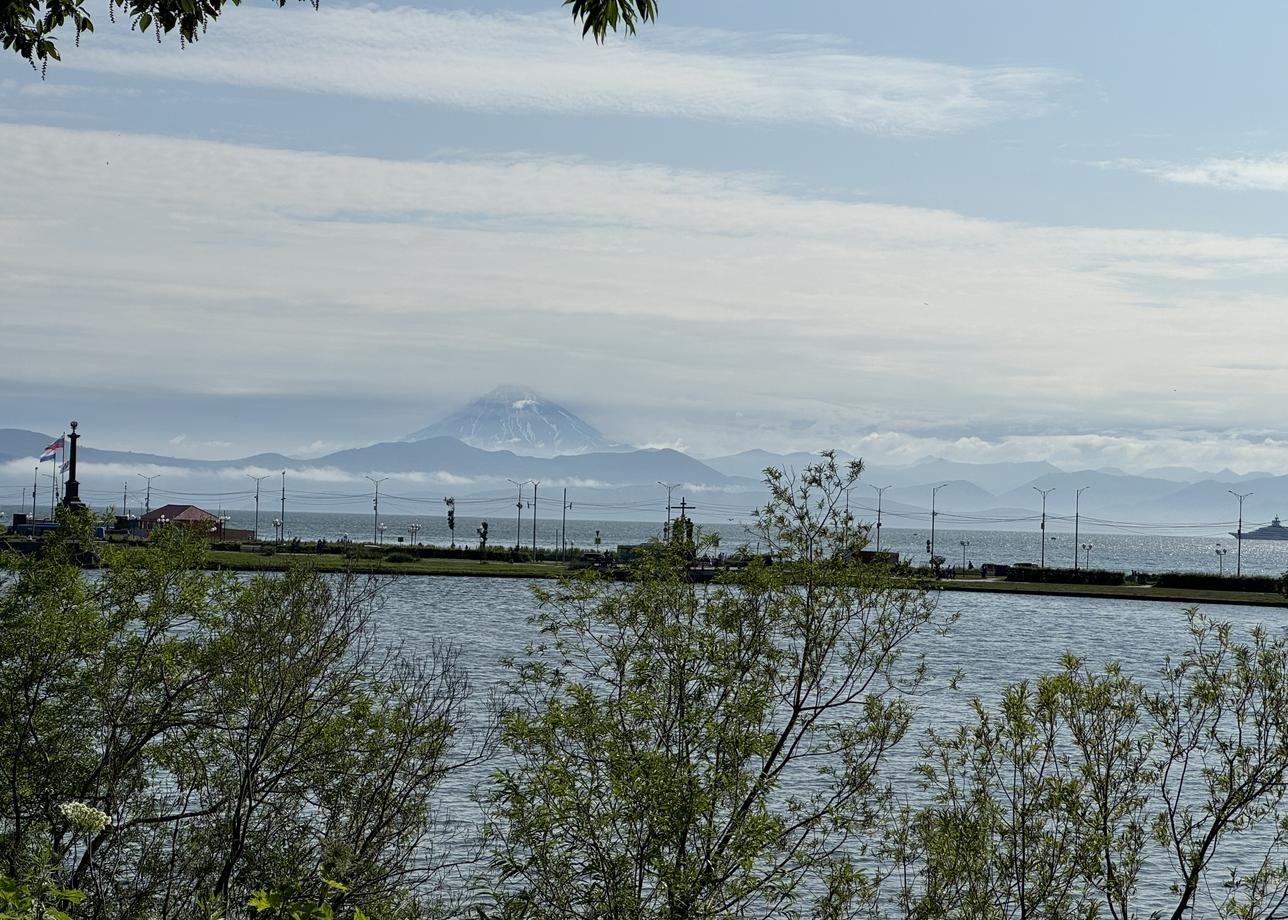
(515, 418)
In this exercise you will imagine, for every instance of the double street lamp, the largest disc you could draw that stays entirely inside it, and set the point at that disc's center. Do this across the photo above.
(1238, 555)
(880, 490)
(933, 515)
(1044, 493)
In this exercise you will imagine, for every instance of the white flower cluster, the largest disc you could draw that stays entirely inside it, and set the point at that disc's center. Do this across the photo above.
(84, 817)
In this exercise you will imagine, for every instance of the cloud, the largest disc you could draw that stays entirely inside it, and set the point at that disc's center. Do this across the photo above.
(1237, 173)
(660, 302)
(1133, 452)
(508, 62)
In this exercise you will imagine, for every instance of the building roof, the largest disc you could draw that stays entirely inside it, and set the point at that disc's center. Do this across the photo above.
(185, 514)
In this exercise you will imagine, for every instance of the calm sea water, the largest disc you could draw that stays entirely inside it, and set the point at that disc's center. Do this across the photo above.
(1146, 551)
(997, 639)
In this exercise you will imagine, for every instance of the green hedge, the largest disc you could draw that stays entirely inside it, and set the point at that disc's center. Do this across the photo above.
(1067, 576)
(1271, 584)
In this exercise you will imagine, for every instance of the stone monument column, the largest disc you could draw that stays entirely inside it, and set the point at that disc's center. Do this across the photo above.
(71, 497)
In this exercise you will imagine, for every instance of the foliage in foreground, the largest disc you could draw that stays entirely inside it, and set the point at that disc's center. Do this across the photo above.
(30, 28)
(175, 743)
(690, 751)
(233, 734)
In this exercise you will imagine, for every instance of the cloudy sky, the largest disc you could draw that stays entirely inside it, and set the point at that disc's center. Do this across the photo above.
(995, 230)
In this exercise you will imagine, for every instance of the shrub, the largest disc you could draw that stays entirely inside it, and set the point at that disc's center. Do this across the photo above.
(1210, 581)
(1066, 576)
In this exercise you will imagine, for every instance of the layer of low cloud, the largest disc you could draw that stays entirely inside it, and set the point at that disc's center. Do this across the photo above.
(517, 63)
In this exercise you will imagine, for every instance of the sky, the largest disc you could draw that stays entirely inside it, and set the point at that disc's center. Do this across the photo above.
(985, 231)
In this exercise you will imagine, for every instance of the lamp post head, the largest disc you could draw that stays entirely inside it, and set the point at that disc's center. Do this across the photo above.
(74, 424)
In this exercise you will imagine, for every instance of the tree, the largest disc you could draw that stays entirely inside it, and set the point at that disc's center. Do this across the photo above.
(1086, 788)
(235, 735)
(685, 751)
(30, 27)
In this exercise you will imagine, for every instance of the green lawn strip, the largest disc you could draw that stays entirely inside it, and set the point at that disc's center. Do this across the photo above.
(257, 562)
(1135, 592)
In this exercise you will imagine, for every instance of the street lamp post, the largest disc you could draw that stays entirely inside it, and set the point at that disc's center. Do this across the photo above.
(147, 501)
(1221, 552)
(1077, 498)
(258, 480)
(1238, 555)
(535, 483)
(964, 543)
(375, 504)
(880, 491)
(670, 487)
(277, 529)
(380, 529)
(1045, 493)
(413, 529)
(933, 515)
(1086, 548)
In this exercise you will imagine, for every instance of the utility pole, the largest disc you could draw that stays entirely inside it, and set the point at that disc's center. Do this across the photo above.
(375, 504)
(258, 480)
(880, 491)
(933, 515)
(125, 502)
(670, 487)
(1045, 493)
(518, 520)
(1238, 555)
(35, 482)
(1077, 496)
(281, 526)
(147, 501)
(534, 519)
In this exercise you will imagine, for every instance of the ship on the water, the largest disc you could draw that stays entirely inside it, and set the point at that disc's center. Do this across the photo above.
(1272, 531)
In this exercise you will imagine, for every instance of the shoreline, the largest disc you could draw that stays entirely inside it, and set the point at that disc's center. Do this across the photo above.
(473, 568)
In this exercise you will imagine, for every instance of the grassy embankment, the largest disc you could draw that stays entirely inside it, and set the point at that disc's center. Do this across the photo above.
(258, 562)
(500, 568)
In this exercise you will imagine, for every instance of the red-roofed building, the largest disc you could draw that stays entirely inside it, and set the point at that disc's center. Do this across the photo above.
(193, 518)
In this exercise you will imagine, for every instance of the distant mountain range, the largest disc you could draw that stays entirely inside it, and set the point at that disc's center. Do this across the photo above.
(604, 479)
(516, 418)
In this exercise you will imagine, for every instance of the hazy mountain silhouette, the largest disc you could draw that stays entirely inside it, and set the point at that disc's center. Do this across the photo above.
(516, 418)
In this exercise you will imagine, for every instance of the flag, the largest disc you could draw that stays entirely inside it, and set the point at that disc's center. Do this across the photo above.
(52, 450)
(63, 468)
(57, 445)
